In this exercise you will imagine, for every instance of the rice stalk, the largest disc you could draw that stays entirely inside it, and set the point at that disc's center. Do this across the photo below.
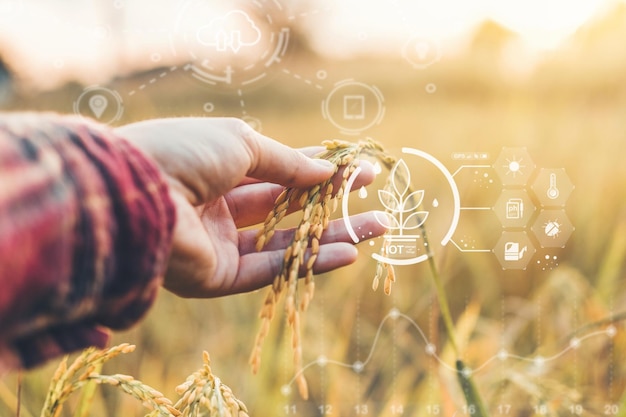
(317, 204)
(67, 380)
(152, 399)
(203, 390)
(202, 394)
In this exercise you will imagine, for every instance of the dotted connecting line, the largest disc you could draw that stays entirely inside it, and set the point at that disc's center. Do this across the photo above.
(358, 343)
(301, 78)
(309, 13)
(322, 345)
(153, 80)
(145, 32)
(403, 18)
(502, 329)
(431, 362)
(575, 358)
(611, 353)
(431, 350)
(242, 103)
(394, 351)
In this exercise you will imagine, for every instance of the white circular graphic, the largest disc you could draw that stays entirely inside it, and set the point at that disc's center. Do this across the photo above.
(418, 200)
(99, 103)
(353, 107)
(230, 43)
(208, 107)
(253, 122)
(421, 52)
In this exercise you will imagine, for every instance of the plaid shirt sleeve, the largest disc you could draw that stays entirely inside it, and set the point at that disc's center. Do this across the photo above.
(85, 231)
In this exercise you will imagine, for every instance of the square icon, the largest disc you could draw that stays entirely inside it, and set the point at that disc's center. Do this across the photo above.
(354, 107)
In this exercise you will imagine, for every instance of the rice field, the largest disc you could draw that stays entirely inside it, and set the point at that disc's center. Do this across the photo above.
(547, 340)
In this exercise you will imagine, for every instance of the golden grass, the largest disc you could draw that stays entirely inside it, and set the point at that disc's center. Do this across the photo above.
(202, 394)
(565, 116)
(317, 204)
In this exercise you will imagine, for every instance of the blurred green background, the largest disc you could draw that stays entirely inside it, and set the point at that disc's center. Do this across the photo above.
(568, 110)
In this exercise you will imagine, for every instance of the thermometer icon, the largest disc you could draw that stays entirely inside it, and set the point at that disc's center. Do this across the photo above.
(553, 192)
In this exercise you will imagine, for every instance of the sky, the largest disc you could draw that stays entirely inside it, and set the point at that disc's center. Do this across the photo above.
(55, 40)
(541, 23)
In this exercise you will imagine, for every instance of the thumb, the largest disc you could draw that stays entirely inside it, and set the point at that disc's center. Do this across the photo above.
(272, 161)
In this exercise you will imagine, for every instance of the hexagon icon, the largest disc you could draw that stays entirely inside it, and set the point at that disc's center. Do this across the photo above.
(514, 166)
(552, 187)
(514, 250)
(514, 208)
(552, 228)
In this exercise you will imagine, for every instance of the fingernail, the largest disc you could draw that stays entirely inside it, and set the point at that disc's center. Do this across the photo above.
(326, 164)
(383, 218)
(366, 165)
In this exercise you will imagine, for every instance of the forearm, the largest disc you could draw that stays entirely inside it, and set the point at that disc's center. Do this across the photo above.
(85, 230)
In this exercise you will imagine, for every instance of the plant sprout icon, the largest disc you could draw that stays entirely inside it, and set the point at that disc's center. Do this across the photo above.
(400, 211)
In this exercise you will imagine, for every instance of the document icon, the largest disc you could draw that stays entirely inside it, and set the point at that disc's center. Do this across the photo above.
(354, 107)
(514, 208)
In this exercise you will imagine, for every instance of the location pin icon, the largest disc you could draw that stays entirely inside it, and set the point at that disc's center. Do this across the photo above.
(98, 104)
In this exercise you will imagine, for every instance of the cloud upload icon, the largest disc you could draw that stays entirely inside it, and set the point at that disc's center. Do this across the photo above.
(233, 30)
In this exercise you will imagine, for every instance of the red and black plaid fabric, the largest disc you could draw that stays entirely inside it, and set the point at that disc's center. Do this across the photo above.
(85, 231)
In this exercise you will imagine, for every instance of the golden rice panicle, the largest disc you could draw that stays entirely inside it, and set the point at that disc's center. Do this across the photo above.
(303, 387)
(203, 390)
(390, 276)
(317, 204)
(66, 380)
(378, 276)
(281, 204)
(152, 399)
(389, 279)
(266, 314)
(332, 144)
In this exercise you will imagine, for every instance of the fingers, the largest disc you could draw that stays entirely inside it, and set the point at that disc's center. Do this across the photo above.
(258, 269)
(206, 157)
(250, 203)
(274, 162)
(364, 224)
(309, 151)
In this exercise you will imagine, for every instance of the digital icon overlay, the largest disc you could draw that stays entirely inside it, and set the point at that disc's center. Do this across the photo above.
(411, 203)
(421, 52)
(418, 214)
(99, 103)
(353, 106)
(228, 46)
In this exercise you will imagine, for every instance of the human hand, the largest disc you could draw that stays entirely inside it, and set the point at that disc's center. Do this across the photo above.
(224, 176)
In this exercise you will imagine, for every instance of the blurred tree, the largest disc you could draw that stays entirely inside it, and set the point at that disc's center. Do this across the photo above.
(600, 42)
(594, 56)
(490, 41)
(608, 28)
(299, 31)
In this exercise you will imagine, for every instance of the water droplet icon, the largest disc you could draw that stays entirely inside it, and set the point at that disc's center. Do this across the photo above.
(362, 192)
(435, 203)
(377, 168)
